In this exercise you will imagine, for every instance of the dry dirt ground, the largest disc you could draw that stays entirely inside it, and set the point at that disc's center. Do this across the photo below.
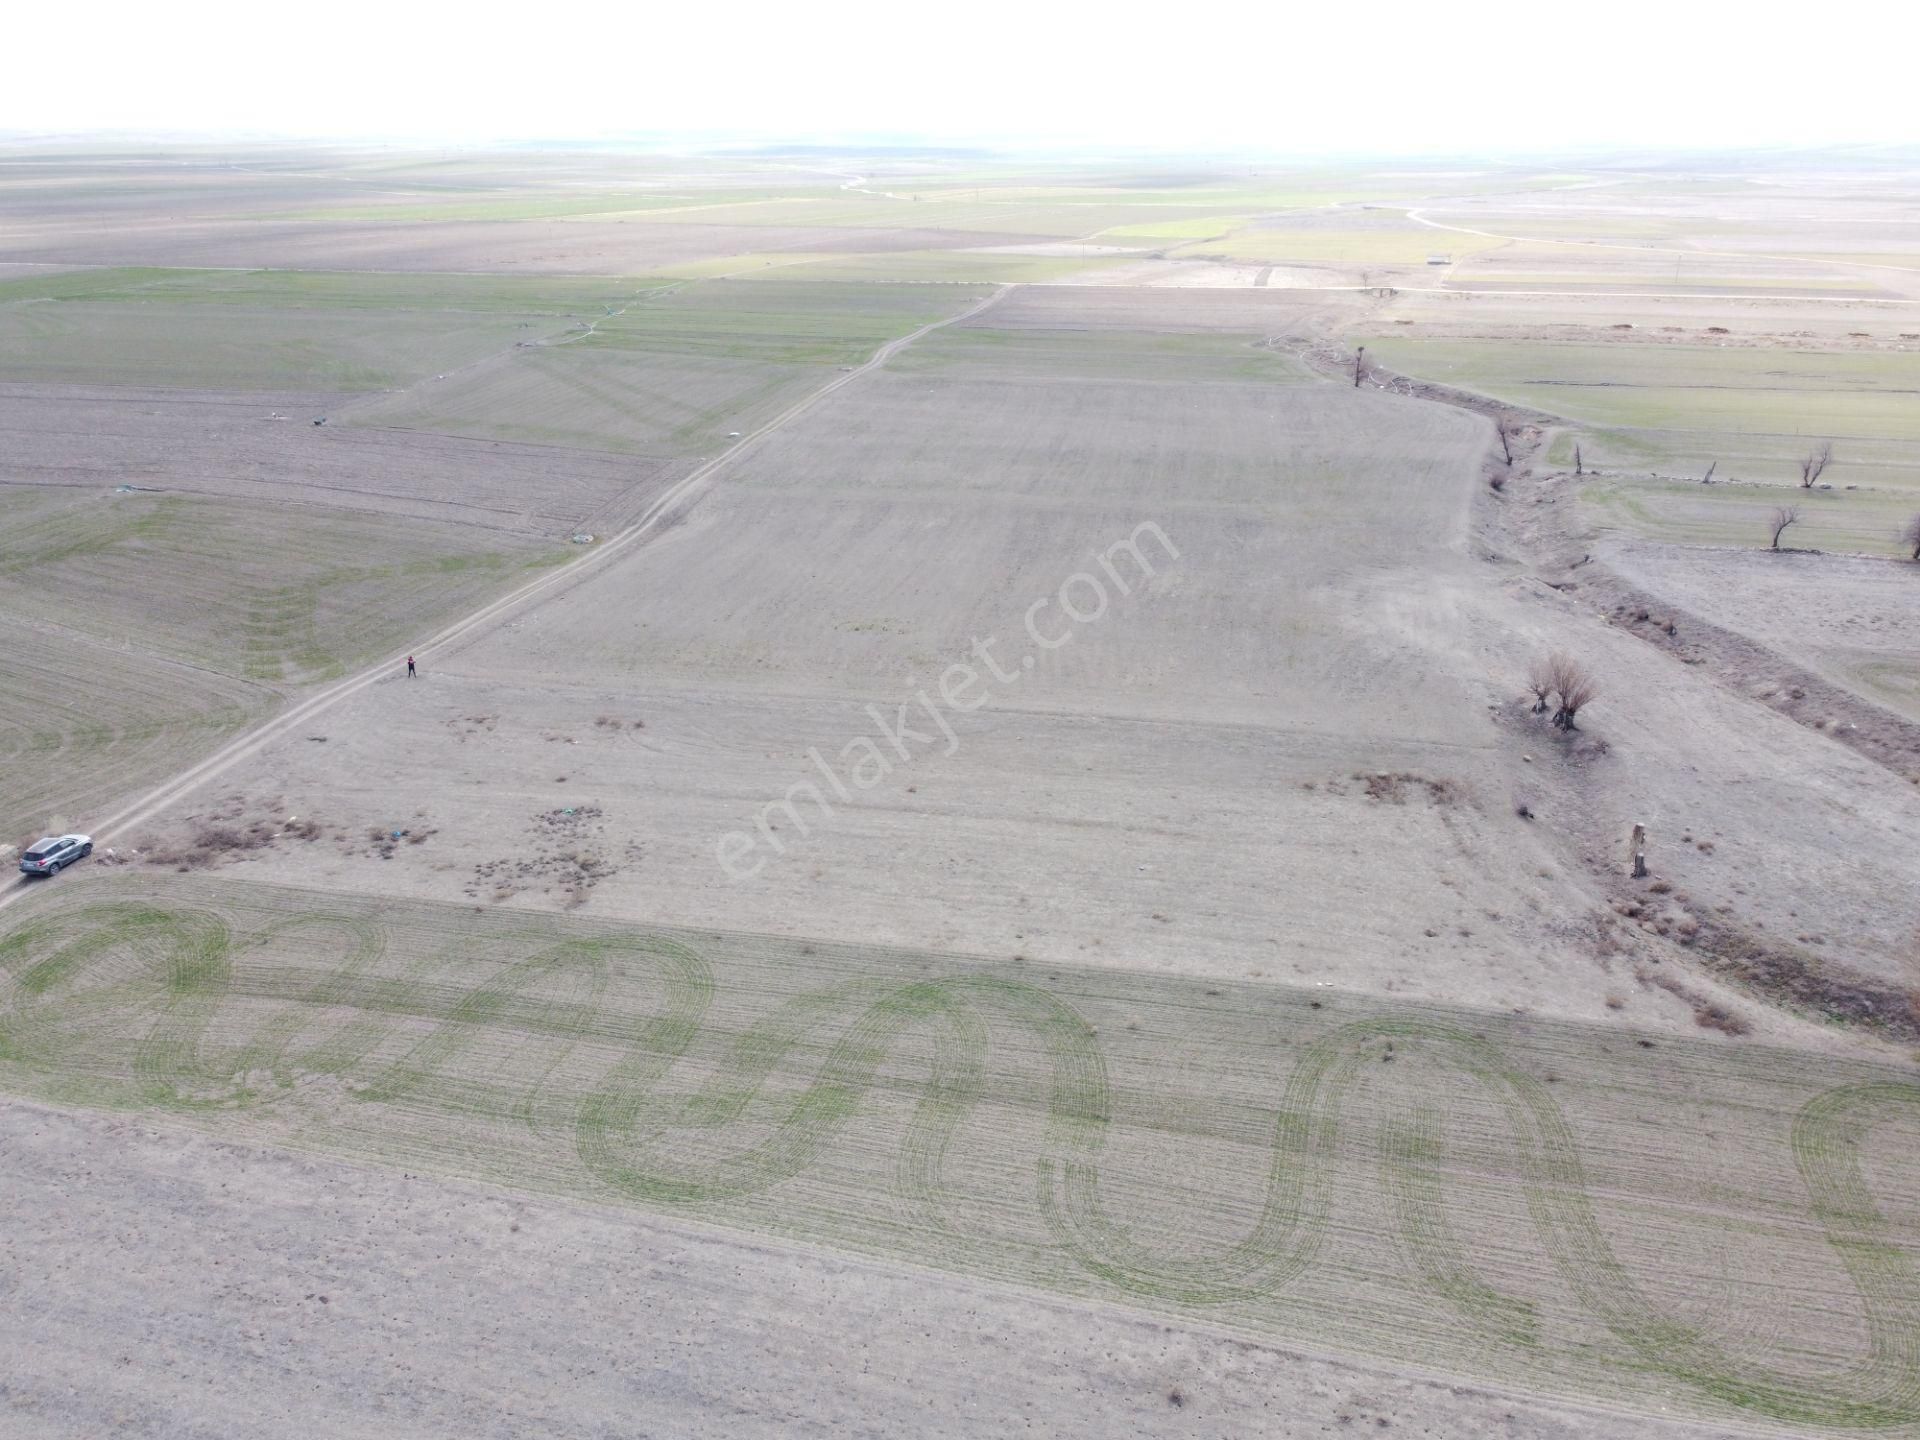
(1029, 897)
(1851, 619)
(264, 1290)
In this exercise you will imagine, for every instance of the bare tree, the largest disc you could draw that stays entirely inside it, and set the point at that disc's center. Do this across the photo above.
(1707, 479)
(1359, 365)
(1578, 468)
(1815, 465)
(1500, 429)
(1574, 686)
(1782, 517)
(1910, 537)
(1540, 682)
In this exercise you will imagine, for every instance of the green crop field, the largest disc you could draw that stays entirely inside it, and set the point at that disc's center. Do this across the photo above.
(1838, 395)
(779, 321)
(85, 721)
(505, 207)
(286, 330)
(1352, 241)
(1867, 522)
(233, 348)
(1725, 1232)
(256, 591)
(1660, 413)
(946, 267)
(332, 290)
(984, 352)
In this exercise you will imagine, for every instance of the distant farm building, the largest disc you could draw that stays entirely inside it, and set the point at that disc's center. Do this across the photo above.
(1439, 259)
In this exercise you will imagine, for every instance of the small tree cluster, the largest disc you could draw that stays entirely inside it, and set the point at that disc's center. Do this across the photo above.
(1815, 465)
(1910, 537)
(1563, 684)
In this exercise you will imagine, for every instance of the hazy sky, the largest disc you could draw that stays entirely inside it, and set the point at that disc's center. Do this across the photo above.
(1284, 78)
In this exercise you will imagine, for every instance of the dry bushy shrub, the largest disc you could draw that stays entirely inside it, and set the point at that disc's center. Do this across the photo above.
(1540, 682)
(1574, 687)
(1910, 537)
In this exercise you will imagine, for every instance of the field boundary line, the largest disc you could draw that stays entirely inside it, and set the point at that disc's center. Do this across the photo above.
(223, 759)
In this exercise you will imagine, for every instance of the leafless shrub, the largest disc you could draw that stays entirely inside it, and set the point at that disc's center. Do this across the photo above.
(1815, 464)
(1782, 517)
(1910, 536)
(1540, 682)
(1574, 687)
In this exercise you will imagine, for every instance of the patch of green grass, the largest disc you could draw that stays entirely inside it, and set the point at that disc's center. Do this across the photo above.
(1198, 227)
(593, 204)
(1861, 522)
(246, 590)
(780, 321)
(1344, 240)
(1839, 395)
(84, 722)
(961, 267)
(242, 348)
(981, 350)
(333, 290)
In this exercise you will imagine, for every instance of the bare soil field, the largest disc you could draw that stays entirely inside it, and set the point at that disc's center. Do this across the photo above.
(1489, 1195)
(1854, 620)
(846, 561)
(636, 1312)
